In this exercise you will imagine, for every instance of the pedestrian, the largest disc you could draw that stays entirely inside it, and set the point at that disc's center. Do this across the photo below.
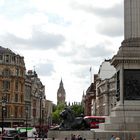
(113, 137)
(16, 137)
(73, 137)
(79, 137)
(133, 138)
(117, 138)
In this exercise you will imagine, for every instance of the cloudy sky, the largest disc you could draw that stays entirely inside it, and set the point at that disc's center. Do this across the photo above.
(62, 39)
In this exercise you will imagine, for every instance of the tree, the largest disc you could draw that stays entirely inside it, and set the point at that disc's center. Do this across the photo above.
(77, 109)
(56, 113)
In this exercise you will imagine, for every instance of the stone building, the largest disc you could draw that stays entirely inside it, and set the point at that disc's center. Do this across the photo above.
(37, 102)
(12, 86)
(88, 100)
(100, 96)
(22, 96)
(105, 89)
(27, 99)
(105, 96)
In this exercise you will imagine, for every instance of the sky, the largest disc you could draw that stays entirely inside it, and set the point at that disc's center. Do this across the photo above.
(62, 39)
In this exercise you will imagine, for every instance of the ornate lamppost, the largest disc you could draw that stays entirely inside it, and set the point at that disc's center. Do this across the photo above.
(26, 112)
(3, 111)
(12, 120)
(40, 119)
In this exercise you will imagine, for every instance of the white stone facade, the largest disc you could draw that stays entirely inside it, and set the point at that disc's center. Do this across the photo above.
(105, 96)
(106, 71)
(105, 89)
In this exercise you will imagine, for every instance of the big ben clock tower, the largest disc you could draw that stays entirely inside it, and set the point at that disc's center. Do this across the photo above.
(61, 94)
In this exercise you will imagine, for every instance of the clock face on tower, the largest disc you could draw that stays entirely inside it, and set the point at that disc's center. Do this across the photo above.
(59, 95)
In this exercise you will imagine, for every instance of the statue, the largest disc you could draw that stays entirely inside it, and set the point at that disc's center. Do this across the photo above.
(70, 122)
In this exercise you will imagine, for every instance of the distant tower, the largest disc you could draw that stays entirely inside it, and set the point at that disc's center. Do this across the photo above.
(61, 94)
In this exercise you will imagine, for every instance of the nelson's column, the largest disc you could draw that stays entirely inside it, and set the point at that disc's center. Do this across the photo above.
(125, 117)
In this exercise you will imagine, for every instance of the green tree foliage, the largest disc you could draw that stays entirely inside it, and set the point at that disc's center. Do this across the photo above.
(56, 113)
(77, 109)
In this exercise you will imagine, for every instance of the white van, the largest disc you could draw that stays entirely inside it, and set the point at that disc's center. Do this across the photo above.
(31, 131)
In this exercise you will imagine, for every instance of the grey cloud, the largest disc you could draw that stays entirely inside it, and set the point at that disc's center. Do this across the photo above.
(92, 55)
(99, 51)
(112, 21)
(45, 69)
(111, 18)
(39, 40)
(115, 11)
(83, 72)
(112, 27)
(85, 61)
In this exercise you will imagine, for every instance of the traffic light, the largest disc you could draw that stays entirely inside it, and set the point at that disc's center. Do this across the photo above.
(118, 96)
(4, 99)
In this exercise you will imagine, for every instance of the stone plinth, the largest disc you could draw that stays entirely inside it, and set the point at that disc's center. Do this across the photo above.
(123, 118)
(93, 134)
(61, 135)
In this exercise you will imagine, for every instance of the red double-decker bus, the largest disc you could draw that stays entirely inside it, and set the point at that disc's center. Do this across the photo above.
(94, 120)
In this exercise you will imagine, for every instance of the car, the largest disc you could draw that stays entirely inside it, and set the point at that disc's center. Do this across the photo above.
(11, 133)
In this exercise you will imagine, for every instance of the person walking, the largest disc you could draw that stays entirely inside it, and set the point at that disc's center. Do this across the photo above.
(113, 137)
(117, 138)
(73, 137)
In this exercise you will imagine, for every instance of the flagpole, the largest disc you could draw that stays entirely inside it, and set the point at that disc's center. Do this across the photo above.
(90, 74)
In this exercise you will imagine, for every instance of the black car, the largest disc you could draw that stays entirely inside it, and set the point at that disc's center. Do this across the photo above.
(11, 133)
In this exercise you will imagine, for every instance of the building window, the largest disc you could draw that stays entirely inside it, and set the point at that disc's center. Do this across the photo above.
(7, 58)
(6, 85)
(0, 57)
(34, 113)
(17, 72)
(16, 111)
(22, 73)
(21, 87)
(13, 58)
(16, 97)
(16, 86)
(21, 112)
(34, 103)
(8, 97)
(6, 72)
(21, 98)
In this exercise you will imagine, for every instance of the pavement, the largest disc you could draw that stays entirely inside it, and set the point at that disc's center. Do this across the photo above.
(37, 139)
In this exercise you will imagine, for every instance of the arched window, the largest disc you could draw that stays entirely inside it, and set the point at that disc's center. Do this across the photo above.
(6, 85)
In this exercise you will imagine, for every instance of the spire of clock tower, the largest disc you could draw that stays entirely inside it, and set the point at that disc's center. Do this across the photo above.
(61, 94)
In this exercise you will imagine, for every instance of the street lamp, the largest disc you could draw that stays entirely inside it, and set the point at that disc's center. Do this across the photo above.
(12, 120)
(3, 110)
(48, 122)
(40, 124)
(26, 111)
